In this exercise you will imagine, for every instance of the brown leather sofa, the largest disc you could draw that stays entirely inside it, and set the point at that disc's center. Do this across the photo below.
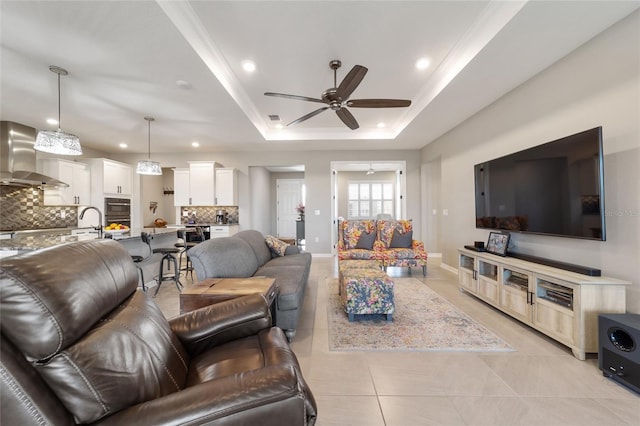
(80, 344)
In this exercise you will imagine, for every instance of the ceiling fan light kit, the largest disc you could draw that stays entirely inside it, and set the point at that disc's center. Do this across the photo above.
(58, 142)
(149, 167)
(337, 97)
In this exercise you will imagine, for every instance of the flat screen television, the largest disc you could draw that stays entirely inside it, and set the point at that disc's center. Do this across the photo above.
(556, 188)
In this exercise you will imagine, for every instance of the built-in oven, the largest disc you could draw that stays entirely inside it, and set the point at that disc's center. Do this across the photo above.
(117, 210)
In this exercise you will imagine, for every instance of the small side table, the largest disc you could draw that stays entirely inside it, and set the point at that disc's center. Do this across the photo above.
(300, 231)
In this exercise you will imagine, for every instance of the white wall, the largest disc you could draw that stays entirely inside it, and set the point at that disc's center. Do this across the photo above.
(259, 194)
(598, 84)
(317, 178)
(152, 189)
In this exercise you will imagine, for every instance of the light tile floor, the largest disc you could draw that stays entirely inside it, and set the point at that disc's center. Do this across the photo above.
(541, 383)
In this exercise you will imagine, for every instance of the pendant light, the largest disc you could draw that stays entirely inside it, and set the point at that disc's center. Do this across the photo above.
(148, 167)
(58, 142)
(370, 171)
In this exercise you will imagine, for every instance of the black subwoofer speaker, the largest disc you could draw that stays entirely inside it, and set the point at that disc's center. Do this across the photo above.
(619, 341)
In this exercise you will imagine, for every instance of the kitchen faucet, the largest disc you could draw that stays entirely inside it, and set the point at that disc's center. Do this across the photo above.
(99, 227)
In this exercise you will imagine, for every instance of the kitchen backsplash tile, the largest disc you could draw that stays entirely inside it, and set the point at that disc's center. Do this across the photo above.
(23, 208)
(208, 214)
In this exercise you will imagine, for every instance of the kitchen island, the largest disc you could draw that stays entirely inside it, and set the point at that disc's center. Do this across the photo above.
(40, 239)
(24, 241)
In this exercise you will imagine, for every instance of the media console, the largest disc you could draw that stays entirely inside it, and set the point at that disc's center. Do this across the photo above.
(560, 303)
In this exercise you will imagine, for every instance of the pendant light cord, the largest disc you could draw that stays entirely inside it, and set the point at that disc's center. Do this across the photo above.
(59, 124)
(149, 120)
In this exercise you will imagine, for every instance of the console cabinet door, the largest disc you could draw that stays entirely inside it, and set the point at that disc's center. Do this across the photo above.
(467, 273)
(553, 312)
(515, 296)
(487, 276)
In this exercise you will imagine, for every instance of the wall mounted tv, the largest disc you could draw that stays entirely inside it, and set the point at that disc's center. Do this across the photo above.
(554, 189)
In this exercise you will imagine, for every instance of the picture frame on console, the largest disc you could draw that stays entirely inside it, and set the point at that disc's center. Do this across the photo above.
(498, 243)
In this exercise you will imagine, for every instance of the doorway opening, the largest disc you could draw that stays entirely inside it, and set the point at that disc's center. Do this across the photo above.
(290, 204)
(366, 190)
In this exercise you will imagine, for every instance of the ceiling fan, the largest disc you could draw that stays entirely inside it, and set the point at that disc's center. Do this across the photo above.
(337, 97)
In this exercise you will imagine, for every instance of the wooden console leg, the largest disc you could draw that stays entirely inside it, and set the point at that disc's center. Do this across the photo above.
(581, 355)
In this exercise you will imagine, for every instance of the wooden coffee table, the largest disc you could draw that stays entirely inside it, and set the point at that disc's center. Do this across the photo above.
(215, 290)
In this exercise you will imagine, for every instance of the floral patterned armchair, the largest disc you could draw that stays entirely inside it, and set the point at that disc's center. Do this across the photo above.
(389, 242)
(352, 246)
(395, 240)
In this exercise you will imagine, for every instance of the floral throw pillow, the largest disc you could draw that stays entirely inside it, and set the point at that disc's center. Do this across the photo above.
(277, 247)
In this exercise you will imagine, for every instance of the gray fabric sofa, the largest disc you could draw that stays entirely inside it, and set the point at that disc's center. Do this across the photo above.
(246, 254)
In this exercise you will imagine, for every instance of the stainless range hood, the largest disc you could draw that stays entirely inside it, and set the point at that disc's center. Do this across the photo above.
(18, 158)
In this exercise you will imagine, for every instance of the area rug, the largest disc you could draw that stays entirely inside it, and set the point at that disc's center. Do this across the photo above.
(423, 321)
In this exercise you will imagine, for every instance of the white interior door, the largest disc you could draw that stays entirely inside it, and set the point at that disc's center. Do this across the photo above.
(289, 195)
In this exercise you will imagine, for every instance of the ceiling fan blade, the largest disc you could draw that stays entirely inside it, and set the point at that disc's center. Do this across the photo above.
(351, 81)
(347, 118)
(300, 98)
(308, 116)
(378, 103)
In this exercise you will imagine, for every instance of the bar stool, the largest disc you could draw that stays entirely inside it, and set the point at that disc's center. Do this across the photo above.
(137, 260)
(185, 245)
(168, 256)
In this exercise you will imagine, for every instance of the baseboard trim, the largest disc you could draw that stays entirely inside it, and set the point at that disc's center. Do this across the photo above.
(322, 255)
(449, 268)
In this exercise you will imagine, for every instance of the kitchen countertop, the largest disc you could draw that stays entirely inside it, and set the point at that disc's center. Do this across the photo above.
(202, 224)
(23, 241)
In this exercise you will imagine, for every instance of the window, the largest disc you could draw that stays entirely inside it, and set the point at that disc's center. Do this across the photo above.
(369, 199)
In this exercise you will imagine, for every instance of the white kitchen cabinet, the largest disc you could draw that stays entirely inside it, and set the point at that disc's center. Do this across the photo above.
(76, 175)
(196, 186)
(226, 187)
(561, 304)
(202, 178)
(222, 231)
(109, 178)
(117, 178)
(181, 191)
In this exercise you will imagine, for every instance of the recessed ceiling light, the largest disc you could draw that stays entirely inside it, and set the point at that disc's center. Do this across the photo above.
(123, 145)
(183, 84)
(195, 144)
(279, 126)
(52, 121)
(380, 125)
(423, 63)
(248, 66)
